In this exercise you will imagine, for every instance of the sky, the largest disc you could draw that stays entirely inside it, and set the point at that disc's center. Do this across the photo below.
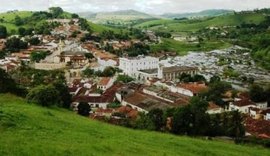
(148, 6)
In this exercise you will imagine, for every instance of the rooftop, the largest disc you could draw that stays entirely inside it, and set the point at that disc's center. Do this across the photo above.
(194, 87)
(243, 102)
(104, 81)
(178, 69)
(150, 71)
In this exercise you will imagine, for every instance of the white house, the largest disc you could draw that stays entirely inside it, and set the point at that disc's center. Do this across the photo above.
(262, 105)
(242, 105)
(107, 62)
(105, 83)
(266, 114)
(131, 66)
(214, 109)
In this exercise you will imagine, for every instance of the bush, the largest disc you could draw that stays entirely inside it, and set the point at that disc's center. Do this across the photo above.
(44, 95)
(3, 31)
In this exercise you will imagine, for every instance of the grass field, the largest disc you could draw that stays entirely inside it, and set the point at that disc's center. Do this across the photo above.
(27, 129)
(9, 19)
(182, 48)
(194, 25)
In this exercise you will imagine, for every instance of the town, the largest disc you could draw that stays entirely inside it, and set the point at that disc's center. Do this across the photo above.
(113, 78)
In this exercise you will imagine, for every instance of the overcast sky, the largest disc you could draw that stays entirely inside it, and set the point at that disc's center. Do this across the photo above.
(148, 6)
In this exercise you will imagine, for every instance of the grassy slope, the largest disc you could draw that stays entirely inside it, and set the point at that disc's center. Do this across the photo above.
(27, 129)
(183, 47)
(226, 20)
(100, 28)
(9, 19)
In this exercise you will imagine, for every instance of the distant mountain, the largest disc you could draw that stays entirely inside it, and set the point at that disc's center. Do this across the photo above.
(117, 16)
(205, 13)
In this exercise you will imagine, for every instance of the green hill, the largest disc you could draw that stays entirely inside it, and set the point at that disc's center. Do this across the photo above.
(7, 20)
(27, 129)
(205, 13)
(194, 25)
(116, 17)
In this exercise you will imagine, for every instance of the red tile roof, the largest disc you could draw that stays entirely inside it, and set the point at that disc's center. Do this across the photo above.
(267, 111)
(193, 87)
(104, 81)
(243, 102)
(259, 128)
(212, 106)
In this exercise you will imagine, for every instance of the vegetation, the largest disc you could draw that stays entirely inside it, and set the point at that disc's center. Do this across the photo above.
(124, 78)
(26, 129)
(37, 56)
(8, 85)
(14, 44)
(182, 48)
(43, 95)
(3, 31)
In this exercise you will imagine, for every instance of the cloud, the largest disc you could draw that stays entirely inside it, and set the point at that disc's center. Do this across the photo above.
(149, 6)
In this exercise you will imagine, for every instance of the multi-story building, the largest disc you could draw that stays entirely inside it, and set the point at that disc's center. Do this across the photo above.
(131, 66)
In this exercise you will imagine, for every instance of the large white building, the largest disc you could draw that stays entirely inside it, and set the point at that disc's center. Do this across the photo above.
(131, 66)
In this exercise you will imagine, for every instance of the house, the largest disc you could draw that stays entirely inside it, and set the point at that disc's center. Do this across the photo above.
(105, 83)
(262, 105)
(266, 114)
(75, 57)
(191, 89)
(131, 65)
(255, 113)
(2, 44)
(104, 112)
(258, 128)
(96, 100)
(174, 72)
(148, 99)
(242, 105)
(214, 109)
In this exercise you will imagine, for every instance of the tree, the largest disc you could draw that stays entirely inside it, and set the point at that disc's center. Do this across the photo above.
(3, 31)
(216, 91)
(182, 120)
(124, 78)
(22, 31)
(74, 16)
(199, 78)
(7, 84)
(144, 122)
(15, 44)
(236, 128)
(89, 56)
(56, 11)
(37, 56)
(257, 94)
(108, 72)
(156, 116)
(84, 109)
(88, 72)
(34, 41)
(185, 77)
(214, 79)
(191, 119)
(200, 118)
(18, 21)
(64, 94)
(44, 95)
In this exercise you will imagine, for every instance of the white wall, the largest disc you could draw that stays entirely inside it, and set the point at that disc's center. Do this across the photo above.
(267, 116)
(130, 66)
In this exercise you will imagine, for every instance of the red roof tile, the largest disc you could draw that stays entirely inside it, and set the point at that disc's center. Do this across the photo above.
(193, 87)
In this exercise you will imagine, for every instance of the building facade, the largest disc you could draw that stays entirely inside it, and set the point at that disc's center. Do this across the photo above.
(131, 66)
